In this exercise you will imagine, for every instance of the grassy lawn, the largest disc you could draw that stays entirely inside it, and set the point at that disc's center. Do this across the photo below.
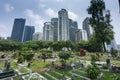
(36, 65)
(107, 75)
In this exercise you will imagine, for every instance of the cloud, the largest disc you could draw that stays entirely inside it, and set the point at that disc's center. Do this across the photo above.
(42, 5)
(51, 13)
(8, 7)
(37, 20)
(72, 15)
(4, 31)
(59, 0)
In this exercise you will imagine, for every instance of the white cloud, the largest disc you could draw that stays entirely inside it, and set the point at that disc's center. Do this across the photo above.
(72, 15)
(51, 13)
(36, 19)
(4, 31)
(42, 5)
(8, 7)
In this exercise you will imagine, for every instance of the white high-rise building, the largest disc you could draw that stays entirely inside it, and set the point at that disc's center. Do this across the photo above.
(80, 35)
(37, 36)
(112, 45)
(48, 31)
(63, 25)
(87, 27)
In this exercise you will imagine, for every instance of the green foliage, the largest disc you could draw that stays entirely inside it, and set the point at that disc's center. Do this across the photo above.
(95, 46)
(46, 54)
(28, 55)
(10, 45)
(105, 66)
(93, 71)
(100, 23)
(115, 77)
(64, 55)
(94, 57)
(20, 59)
(113, 52)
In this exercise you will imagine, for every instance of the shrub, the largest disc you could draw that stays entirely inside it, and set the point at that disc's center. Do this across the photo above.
(113, 52)
(94, 57)
(105, 66)
(92, 71)
(28, 55)
(82, 52)
(20, 59)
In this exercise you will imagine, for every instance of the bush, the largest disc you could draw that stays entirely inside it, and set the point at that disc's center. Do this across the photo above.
(28, 55)
(113, 52)
(3, 56)
(92, 71)
(82, 52)
(94, 57)
(105, 66)
(20, 59)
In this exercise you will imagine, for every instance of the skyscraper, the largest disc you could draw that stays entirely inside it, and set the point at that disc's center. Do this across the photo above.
(63, 25)
(54, 22)
(87, 27)
(73, 27)
(28, 33)
(37, 36)
(80, 35)
(18, 29)
(48, 31)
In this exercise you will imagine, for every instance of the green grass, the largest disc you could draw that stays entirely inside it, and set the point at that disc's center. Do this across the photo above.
(107, 75)
(36, 65)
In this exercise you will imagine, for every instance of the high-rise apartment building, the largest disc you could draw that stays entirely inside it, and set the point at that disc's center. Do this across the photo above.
(80, 35)
(87, 27)
(48, 31)
(63, 25)
(28, 33)
(37, 36)
(18, 29)
(54, 22)
(73, 27)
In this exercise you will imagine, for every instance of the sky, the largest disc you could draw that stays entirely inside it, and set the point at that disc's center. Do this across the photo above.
(36, 12)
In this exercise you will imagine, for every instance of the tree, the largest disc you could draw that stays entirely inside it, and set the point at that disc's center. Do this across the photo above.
(100, 22)
(10, 45)
(94, 45)
(44, 54)
(64, 56)
(69, 44)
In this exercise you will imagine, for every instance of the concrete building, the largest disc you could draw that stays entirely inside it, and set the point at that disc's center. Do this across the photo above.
(86, 26)
(28, 33)
(73, 27)
(112, 45)
(37, 36)
(54, 22)
(63, 25)
(80, 35)
(18, 29)
(48, 31)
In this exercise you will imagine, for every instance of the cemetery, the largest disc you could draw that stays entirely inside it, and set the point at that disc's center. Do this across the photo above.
(60, 67)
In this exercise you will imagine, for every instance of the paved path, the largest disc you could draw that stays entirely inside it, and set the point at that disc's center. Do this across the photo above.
(61, 74)
(50, 76)
(79, 76)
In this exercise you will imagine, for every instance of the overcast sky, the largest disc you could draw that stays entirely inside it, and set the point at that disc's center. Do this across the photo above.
(36, 12)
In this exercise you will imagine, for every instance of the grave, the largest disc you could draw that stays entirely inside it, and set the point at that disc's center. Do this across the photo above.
(7, 71)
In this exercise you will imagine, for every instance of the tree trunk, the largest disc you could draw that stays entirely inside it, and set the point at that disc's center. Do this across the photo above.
(44, 60)
(104, 47)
